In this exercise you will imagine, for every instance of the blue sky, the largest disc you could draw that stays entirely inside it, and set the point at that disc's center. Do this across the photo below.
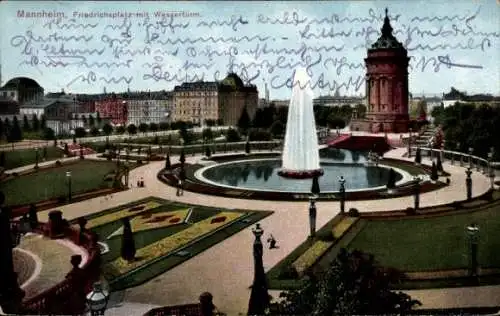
(67, 64)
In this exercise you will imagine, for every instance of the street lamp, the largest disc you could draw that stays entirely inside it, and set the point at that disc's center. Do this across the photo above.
(471, 150)
(468, 183)
(417, 180)
(36, 157)
(409, 143)
(312, 216)
(97, 299)
(342, 194)
(491, 172)
(472, 232)
(68, 176)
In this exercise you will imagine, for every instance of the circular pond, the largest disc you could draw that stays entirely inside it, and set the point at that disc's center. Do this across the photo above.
(262, 174)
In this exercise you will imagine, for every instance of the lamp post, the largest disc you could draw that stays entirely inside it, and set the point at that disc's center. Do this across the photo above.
(491, 172)
(312, 216)
(471, 150)
(97, 299)
(342, 194)
(68, 176)
(409, 143)
(472, 232)
(468, 183)
(259, 297)
(36, 157)
(417, 192)
(461, 156)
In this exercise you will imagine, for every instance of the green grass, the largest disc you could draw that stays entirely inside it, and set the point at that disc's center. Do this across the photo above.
(52, 183)
(436, 243)
(22, 157)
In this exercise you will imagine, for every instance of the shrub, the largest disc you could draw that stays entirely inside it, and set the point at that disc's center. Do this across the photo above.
(139, 162)
(353, 212)
(289, 273)
(207, 152)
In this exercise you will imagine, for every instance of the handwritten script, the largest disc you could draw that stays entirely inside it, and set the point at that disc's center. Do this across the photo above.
(166, 49)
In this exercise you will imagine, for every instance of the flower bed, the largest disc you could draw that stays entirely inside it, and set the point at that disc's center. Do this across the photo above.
(311, 255)
(170, 243)
(339, 229)
(117, 215)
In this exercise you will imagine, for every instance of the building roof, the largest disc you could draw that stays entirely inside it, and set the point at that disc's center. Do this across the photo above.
(232, 82)
(147, 95)
(387, 39)
(21, 82)
(45, 102)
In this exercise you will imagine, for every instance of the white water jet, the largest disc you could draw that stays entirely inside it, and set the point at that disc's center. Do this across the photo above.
(301, 152)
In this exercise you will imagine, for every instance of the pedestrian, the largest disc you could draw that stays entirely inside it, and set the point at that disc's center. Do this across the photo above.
(142, 182)
(272, 242)
(179, 183)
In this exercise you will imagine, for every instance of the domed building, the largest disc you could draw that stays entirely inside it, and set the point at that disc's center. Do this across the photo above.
(222, 101)
(386, 85)
(22, 90)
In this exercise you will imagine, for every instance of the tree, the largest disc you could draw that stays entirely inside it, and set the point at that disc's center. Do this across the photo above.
(107, 129)
(26, 124)
(35, 124)
(91, 121)
(2, 158)
(168, 165)
(98, 119)
(232, 135)
(143, 127)
(94, 131)
(277, 129)
(244, 120)
(15, 133)
(208, 153)
(247, 147)
(80, 132)
(182, 157)
(163, 126)
(434, 172)
(84, 120)
(185, 135)
(352, 285)
(418, 156)
(33, 216)
(43, 122)
(132, 129)
(128, 242)
(153, 127)
(315, 186)
(49, 134)
(207, 134)
(120, 130)
(2, 129)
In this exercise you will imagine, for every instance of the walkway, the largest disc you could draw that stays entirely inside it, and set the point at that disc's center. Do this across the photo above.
(226, 270)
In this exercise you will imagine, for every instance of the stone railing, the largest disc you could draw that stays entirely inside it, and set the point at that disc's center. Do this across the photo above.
(68, 296)
(455, 157)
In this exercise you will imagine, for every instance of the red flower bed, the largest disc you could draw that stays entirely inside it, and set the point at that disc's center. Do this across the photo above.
(174, 220)
(136, 208)
(159, 219)
(219, 219)
(146, 215)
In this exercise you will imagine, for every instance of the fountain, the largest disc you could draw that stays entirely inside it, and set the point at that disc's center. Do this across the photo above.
(300, 159)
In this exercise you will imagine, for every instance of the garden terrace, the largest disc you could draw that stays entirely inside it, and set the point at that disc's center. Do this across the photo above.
(437, 234)
(166, 234)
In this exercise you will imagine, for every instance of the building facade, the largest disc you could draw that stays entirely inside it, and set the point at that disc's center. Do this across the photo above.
(113, 108)
(337, 101)
(148, 107)
(197, 102)
(386, 86)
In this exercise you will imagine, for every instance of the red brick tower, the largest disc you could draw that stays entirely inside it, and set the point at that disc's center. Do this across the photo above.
(387, 84)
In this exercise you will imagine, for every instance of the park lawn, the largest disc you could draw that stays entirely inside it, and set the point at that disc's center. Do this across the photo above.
(23, 157)
(86, 175)
(436, 243)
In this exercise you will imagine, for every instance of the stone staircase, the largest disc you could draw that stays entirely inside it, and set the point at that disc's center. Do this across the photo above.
(424, 138)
